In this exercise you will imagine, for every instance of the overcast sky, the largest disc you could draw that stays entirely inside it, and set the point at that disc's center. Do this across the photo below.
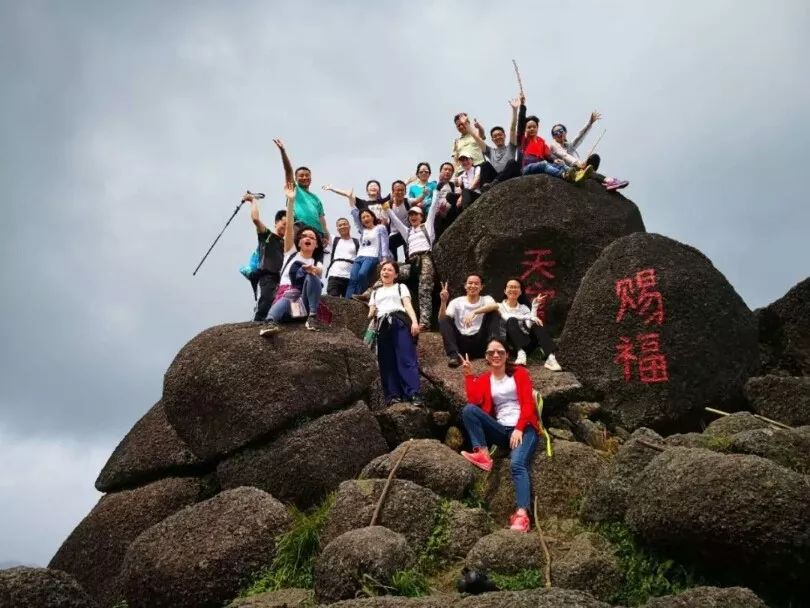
(130, 130)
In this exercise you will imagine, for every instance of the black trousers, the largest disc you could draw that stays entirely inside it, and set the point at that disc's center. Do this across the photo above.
(395, 241)
(268, 283)
(537, 336)
(489, 174)
(475, 346)
(336, 286)
(593, 161)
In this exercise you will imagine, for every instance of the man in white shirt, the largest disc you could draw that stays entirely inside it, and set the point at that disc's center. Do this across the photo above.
(466, 323)
(344, 250)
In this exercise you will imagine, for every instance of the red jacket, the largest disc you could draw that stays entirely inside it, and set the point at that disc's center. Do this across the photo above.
(536, 147)
(479, 392)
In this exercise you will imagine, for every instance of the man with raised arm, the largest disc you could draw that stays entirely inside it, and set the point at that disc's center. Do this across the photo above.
(308, 207)
(466, 143)
(271, 256)
(466, 322)
(501, 163)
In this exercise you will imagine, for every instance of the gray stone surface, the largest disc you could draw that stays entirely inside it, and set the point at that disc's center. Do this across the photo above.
(24, 587)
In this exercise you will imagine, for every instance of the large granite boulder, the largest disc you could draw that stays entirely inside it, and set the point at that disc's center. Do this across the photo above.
(344, 564)
(539, 228)
(553, 597)
(660, 332)
(782, 398)
(743, 514)
(228, 386)
(787, 447)
(709, 597)
(152, 449)
(24, 587)
(94, 551)
(303, 465)
(283, 598)
(202, 555)
(589, 565)
(506, 552)
(784, 332)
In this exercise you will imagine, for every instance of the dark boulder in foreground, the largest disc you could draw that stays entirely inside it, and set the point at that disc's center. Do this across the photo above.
(660, 332)
(540, 228)
(201, 556)
(229, 386)
(782, 398)
(784, 332)
(24, 587)
(709, 597)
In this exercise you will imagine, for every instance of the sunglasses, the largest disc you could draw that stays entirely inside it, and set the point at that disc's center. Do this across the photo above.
(558, 132)
(500, 352)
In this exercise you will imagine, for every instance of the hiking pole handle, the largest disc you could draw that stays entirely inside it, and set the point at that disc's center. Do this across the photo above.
(233, 215)
(255, 194)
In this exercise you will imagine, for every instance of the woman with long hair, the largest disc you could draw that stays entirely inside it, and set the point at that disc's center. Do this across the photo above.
(397, 326)
(524, 328)
(373, 249)
(501, 409)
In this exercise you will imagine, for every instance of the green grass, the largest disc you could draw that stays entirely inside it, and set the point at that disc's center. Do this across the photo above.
(718, 443)
(296, 550)
(646, 574)
(525, 579)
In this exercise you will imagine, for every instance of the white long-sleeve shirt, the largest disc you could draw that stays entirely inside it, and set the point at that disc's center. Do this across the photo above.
(521, 312)
(415, 237)
(567, 152)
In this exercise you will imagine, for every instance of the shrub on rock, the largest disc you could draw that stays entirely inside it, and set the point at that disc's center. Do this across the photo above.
(366, 556)
(429, 463)
(303, 465)
(228, 386)
(94, 551)
(150, 450)
(658, 330)
(784, 332)
(782, 398)
(202, 555)
(709, 597)
(539, 228)
(744, 514)
(25, 587)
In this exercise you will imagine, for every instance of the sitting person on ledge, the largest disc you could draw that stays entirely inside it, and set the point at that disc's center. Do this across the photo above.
(467, 322)
(524, 328)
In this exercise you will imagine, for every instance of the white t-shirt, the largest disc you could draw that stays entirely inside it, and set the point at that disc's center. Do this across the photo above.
(370, 241)
(345, 250)
(505, 400)
(458, 308)
(285, 278)
(521, 312)
(388, 299)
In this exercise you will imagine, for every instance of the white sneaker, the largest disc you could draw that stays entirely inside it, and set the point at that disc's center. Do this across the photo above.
(521, 357)
(551, 363)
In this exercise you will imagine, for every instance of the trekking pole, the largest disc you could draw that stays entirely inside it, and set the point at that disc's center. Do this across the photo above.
(517, 73)
(593, 147)
(233, 215)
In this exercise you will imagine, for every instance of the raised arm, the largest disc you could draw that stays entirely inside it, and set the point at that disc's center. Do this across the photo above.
(289, 177)
(521, 125)
(584, 130)
(477, 133)
(444, 297)
(254, 213)
(430, 222)
(401, 228)
(349, 194)
(515, 103)
(289, 192)
(355, 212)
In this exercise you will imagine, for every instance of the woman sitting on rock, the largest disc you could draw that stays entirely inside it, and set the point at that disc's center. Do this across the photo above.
(300, 286)
(373, 249)
(390, 305)
(501, 410)
(524, 329)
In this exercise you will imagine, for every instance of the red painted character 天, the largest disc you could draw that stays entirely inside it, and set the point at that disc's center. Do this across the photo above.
(537, 272)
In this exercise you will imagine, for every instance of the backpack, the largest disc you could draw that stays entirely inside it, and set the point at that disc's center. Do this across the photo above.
(334, 248)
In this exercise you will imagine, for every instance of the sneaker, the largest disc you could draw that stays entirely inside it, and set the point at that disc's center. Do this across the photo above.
(521, 357)
(393, 400)
(583, 174)
(453, 361)
(270, 327)
(417, 400)
(551, 363)
(480, 458)
(519, 522)
(616, 184)
(312, 324)
(570, 175)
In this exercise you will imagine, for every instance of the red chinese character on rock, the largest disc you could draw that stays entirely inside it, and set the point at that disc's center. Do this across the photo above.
(648, 295)
(534, 277)
(652, 365)
(624, 291)
(625, 357)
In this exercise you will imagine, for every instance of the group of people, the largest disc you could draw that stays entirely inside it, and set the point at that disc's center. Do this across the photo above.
(290, 277)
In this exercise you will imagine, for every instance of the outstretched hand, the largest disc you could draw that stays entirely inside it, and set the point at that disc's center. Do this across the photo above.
(444, 294)
(279, 144)
(595, 116)
(515, 103)
(326, 187)
(466, 366)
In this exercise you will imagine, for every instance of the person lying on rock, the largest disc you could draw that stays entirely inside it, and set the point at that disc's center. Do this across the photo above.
(420, 238)
(373, 249)
(299, 291)
(420, 191)
(535, 155)
(565, 153)
(467, 143)
(390, 304)
(523, 327)
(343, 253)
(500, 164)
(467, 322)
(271, 257)
(501, 410)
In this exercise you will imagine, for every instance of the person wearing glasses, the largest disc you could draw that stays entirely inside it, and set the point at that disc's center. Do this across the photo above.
(467, 141)
(501, 409)
(524, 328)
(534, 153)
(565, 153)
(420, 192)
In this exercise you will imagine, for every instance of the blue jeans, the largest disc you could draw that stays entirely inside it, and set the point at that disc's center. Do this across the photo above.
(310, 295)
(396, 355)
(482, 430)
(544, 167)
(360, 275)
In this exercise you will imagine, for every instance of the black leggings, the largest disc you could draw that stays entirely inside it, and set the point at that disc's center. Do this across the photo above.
(537, 336)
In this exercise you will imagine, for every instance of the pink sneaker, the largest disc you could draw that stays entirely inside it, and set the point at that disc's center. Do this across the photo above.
(519, 522)
(616, 184)
(480, 458)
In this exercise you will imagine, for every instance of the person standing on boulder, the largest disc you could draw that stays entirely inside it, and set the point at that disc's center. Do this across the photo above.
(524, 329)
(373, 249)
(271, 258)
(344, 251)
(397, 326)
(466, 322)
(501, 409)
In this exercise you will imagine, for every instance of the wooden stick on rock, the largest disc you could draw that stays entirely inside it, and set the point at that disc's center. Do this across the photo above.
(384, 492)
(547, 568)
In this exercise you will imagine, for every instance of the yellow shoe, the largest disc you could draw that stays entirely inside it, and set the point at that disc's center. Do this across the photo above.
(583, 174)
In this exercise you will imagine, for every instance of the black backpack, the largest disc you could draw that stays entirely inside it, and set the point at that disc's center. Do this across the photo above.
(334, 248)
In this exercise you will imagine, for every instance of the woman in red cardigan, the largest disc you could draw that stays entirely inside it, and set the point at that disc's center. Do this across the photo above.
(501, 410)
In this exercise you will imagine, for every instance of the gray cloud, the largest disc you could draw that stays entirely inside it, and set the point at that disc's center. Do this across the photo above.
(131, 131)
